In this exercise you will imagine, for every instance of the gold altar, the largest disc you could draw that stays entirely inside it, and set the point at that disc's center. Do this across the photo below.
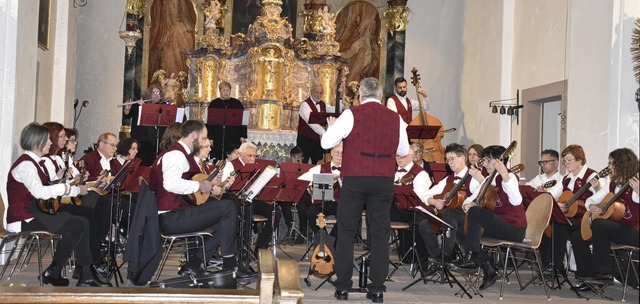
(269, 70)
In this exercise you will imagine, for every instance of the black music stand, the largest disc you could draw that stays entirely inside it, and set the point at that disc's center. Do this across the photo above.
(295, 190)
(422, 132)
(114, 185)
(321, 118)
(157, 115)
(406, 199)
(224, 118)
(274, 191)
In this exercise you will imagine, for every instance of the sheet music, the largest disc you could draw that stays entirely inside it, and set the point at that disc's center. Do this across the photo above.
(307, 176)
(180, 115)
(245, 118)
(433, 216)
(262, 180)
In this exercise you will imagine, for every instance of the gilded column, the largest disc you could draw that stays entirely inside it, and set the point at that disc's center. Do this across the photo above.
(396, 19)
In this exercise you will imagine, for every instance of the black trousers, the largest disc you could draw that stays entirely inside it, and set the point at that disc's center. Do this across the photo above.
(560, 236)
(604, 233)
(376, 194)
(311, 148)
(453, 217)
(494, 226)
(265, 209)
(75, 236)
(220, 217)
(303, 207)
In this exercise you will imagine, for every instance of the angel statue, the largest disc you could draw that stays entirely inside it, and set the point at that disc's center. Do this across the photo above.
(212, 13)
(328, 27)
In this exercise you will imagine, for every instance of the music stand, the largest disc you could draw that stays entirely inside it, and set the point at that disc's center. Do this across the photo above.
(406, 199)
(295, 189)
(224, 118)
(323, 191)
(157, 115)
(321, 118)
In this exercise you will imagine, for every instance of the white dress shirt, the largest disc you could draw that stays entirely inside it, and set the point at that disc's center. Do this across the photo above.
(597, 197)
(421, 182)
(174, 164)
(316, 170)
(344, 124)
(105, 163)
(391, 104)
(541, 179)
(228, 168)
(511, 188)
(305, 112)
(439, 187)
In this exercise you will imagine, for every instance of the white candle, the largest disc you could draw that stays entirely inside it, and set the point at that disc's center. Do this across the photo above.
(200, 89)
(300, 94)
(237, 91)
(218, 89)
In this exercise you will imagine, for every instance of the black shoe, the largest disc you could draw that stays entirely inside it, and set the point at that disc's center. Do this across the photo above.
(582, 287)
(188, 271)
(341, 295)
(468, 262)
(49, 276)
(606, 278)
(94, 279)
(490, 275)
(375, 297)
(245, 274)
(448, 258)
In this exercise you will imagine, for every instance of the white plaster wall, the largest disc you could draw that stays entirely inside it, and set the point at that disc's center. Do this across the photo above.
(45, 73)
(99, 71)
(63, 65)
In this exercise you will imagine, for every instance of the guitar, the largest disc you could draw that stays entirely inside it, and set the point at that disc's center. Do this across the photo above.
(322, 258)
(51, 206)
(199, 197)
(454, 195)
(569, 198)
(488, 194)
(100, 186)
(611, 210)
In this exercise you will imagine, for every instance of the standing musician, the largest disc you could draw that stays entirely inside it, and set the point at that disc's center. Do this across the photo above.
(233, 135)
(146, 135)
(29, 180)
(598, 266)
(309, 134)
(170, 178)
(401, 104)
(248, 152)
(411, 175)
(330, 207)
(371, 135)
(455, 156)
(507, 221)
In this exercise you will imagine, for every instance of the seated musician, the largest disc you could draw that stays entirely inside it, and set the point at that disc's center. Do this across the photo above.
(417, 150)
(201, 156)
(99, 159)
(127, 150)
(28, 181)
(248, 152)
(411, 175)
(598, 266)
(170, 178)
(56, 168)
(549, 160)
(507, 221)
(330, 207)
(456, 158)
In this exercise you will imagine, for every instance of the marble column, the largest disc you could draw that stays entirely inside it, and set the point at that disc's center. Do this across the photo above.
(396, 19)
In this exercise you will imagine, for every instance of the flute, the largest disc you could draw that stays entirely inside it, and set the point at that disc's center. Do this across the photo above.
(136, 101)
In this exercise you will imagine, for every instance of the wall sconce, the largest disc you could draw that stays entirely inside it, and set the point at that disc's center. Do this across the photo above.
(507, 106)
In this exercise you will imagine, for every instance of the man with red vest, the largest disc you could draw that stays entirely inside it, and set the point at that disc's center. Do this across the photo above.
(507, 221)
(401, 104)
(372, 135)
(100, 158)
(170, 178)
(330, 207)
(309, 134)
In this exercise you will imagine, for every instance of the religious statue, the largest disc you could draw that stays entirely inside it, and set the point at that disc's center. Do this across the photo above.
(328, 27)
(170, 86)
(271, 63)
(352, 97)
(212, 13)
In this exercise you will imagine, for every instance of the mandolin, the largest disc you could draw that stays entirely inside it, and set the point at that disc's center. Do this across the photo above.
(322, 258)
(433, 149)
(51, 206)
(199, 197)
(223, 183)
(611, 210)
(569, 198)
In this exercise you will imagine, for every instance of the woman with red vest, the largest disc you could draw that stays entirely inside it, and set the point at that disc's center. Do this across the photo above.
(507, 221)
(624, 169)
(28, 181)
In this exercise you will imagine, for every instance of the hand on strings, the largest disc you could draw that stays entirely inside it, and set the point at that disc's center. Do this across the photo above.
(230, 180)
(595, 183)
(83, 189)
(563, 207)
(477, 174)
(218, 178)
(422, 91)
(634, 182)
(595, 209)
(502, 170)
(205, 186)
(438, 203)
(215, 190)
(541, 189)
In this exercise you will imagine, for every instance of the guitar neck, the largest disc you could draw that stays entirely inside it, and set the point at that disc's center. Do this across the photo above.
(615, 197)
(485, 186)
(213, 175)
(457, 187)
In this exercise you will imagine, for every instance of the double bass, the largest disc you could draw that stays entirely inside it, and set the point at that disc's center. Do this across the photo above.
(433, 149)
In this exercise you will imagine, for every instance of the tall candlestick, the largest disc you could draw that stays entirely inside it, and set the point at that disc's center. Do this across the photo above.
(200, 89)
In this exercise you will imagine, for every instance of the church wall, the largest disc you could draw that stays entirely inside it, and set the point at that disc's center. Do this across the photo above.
(44, 70)
(99, 72)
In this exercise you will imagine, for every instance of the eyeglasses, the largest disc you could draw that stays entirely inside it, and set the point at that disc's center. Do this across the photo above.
(110, 144)
(567, 160)
(451, 159)
(72, 140)
(546, 162)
